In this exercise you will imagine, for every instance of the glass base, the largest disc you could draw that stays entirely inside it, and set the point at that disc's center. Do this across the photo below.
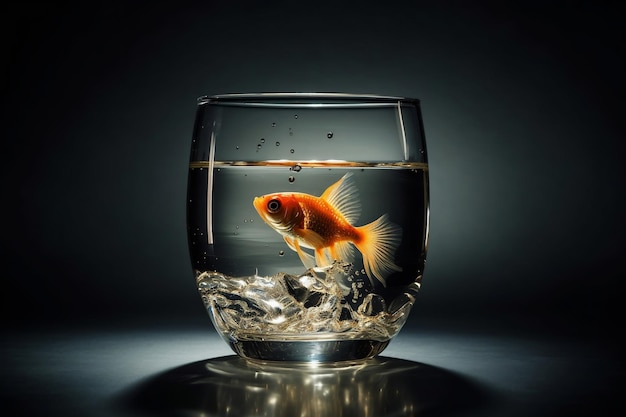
(308, 351)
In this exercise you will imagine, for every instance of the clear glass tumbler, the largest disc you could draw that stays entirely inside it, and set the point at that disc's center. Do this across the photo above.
(307, 220)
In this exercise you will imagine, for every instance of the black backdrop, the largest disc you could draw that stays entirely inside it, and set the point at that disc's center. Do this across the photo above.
(521, 103)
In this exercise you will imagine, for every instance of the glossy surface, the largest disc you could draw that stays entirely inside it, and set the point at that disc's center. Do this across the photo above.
(435, 369)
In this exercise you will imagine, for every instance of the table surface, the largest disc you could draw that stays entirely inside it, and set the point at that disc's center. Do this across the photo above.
(428, 369)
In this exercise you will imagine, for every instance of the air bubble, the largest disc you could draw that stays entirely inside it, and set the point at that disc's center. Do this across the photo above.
(296, 168)
(291, 150)
(292, 178)
(329, 135)
(236, 147)
(290, 133)
(277, 143)
(258, 146)
(274, 124)
(295, 116)
(262, 140)
(281, 253)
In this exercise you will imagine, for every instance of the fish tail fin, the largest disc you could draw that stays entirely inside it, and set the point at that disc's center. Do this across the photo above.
(378, 243)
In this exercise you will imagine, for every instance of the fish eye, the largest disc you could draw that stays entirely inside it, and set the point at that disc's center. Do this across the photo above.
(273, 205)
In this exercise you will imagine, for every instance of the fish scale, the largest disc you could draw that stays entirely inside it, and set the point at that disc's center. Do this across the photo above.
(320, 217)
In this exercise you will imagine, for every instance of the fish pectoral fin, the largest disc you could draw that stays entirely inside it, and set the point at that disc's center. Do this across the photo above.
(310, 238)
(306, 258)
(291, 243)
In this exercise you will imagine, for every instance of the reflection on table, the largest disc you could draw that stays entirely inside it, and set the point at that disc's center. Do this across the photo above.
(231, 386)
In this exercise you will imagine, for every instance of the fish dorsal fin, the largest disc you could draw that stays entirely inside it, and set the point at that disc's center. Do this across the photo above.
(343, 196)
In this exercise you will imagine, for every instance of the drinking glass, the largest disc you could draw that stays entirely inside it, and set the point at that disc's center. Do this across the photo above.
(307, 219)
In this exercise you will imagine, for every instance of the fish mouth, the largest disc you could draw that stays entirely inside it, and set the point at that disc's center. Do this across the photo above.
(258, 203)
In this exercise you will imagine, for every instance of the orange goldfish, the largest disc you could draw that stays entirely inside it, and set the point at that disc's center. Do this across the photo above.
(325, 224)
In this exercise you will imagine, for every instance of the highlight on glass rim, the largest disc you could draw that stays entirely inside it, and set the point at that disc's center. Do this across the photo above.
(307, 218)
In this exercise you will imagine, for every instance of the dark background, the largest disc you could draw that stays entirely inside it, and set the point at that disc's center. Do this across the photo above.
(523, 112)
(522, 105)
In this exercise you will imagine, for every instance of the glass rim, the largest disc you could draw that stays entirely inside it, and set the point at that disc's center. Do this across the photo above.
(300, 99)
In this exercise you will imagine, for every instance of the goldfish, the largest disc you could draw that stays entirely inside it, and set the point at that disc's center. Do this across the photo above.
(326, 225)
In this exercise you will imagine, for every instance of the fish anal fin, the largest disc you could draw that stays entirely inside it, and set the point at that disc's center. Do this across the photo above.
(342, 251)
(322, 257)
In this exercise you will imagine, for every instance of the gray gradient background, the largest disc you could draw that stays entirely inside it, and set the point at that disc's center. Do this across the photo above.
(522, 105)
